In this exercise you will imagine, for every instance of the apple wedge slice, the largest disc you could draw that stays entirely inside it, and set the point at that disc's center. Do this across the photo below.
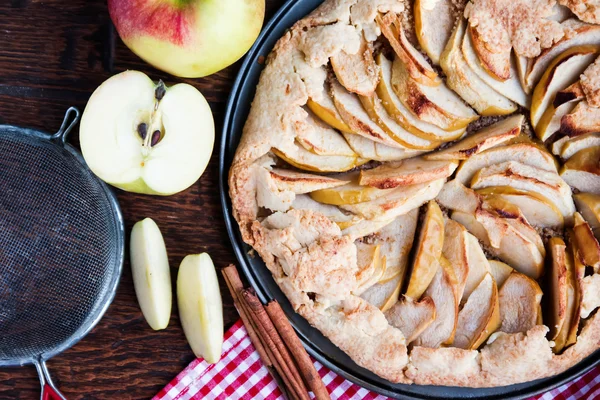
(588, 249)
(356, 72)
(582, 34)
(478, 266)
(456, 196)
(369, 150)
(320, 139)
(500, 271)
(417, 66)
(434, 26)
(464, 81)
(590, 289)
(566, 331)
(582, 171)
(144, 137)
(456, 251)
(411, 317)
(443, 290)
(384, 295)
(564, 103)
(510, 88)
(578, 274)
(379, 115)
(497, 65)
(522, 65)
(519, 299)
(583, 119)
(343, 220)
(537, 210)
(299, 182)
(398, 202)
(200, 307)
(355, 116)
(301, 158)
(557, 290)
(428, 251)
(562, 72)
(525, 177)
(407, 172)
(479, 317)
(588, 205)
(324, 108)
(364, 228)
(350, 193)
(151, 273)
(436, 105)
(525, 153)
(371, 266)
(401, 114)
(578, 143)
(486, 138)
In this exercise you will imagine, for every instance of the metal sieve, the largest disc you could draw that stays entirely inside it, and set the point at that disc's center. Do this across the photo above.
(61, 247)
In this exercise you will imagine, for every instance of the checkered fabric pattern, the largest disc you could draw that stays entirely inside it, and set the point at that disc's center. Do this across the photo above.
(240, 375)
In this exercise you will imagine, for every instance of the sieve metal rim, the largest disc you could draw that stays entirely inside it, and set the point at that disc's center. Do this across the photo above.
(59, 139)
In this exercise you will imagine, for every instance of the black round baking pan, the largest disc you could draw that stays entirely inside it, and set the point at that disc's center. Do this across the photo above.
(260, 278)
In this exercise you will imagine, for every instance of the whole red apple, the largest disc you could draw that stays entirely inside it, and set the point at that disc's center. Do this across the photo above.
(188, 38)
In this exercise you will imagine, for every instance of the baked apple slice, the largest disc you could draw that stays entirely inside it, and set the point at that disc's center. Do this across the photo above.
(525, 153)
(384, 295)
(488, 137)
(299, 182)
(582, 170)
(588, 249)
(371, 266)
(301, 158)
(343, 220)
(557, 287)
(401, 114)
(562, 338)
(320, 139)
(500, 271)
(464, 81)
(478, 266)
(428, 251)
(411, 317)
(407, 172)
(578, 143)
(519, 299)
(456, 251)
(324, 108)
(433, 26)
(588, 205)
(356, 72)
(368, 149)
(583, 119)
(349, 193)
(564, 103)
(496, 64)
(479, 317)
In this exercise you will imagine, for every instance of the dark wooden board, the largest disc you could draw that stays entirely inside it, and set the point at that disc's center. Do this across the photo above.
(53, 54)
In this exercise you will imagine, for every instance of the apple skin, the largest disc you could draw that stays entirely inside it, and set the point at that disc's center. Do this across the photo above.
(188, 38)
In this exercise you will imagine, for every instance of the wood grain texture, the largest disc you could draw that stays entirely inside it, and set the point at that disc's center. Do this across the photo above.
(53, 54)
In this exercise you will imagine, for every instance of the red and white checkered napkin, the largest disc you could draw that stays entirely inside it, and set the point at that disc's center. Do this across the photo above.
(241, 375)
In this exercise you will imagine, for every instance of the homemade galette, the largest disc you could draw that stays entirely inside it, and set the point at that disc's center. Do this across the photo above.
(423, 182)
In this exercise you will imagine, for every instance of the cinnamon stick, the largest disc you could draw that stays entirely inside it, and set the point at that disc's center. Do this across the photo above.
(307, 369)
(274, 343)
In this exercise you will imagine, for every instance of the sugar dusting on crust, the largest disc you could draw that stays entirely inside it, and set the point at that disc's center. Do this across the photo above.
(586, 10)
(590, 83)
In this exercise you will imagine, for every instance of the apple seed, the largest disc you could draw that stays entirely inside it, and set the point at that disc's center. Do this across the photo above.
(142, 130)
(160, 90)
(155, 138)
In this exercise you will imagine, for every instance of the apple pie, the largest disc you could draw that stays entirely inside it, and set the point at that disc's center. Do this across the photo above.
(423, 182)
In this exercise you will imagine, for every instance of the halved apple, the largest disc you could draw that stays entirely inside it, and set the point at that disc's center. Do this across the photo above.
(301, 158)
(368, 149)
(401, 114)
(356, 72)
(417, 66)
(407, 172)
(371, 266)
(456, 251)
(582, 34)
(320, 139)
(588, 205)
(557, 289)
(479, 317)
(350, 193)
(583, 119)
(574, 145)
(519, 298)
(324, 108)
(355, 116)
(443, 290)
(562, 72)
(398, 202)
(538, 210)
(433, 26)
(379, 115)
(144, 137)
(411, 317)
(428, 251)
(464, 81)
(525, 177)
(436, 105)
(496, 64)
(500, 271)
(510, 88)
(488, 137)
(151, 273)
(582, 170)
(200, 308)
(588, 249)
(526, 153)
(343, 220)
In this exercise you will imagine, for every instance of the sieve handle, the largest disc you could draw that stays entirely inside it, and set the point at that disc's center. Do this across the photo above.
(49, 391)
(69, 121)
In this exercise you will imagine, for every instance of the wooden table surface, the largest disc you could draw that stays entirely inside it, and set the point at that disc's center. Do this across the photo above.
(53, 54)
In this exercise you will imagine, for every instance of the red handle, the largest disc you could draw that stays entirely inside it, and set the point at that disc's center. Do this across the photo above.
(50, 394)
